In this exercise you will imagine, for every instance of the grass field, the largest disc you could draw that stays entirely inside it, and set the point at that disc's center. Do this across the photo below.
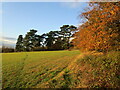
(34, 69)
(60, 69)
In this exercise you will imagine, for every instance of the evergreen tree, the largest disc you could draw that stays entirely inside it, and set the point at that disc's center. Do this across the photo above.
(19, 44)
(53, 40)
(50, 39)
(31, 40)
(67, 32)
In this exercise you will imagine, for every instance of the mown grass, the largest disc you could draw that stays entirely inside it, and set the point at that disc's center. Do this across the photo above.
(33, 69)
(90, 71)
(61, 69)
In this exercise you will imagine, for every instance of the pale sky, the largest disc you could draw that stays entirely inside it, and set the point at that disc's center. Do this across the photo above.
(19, 17)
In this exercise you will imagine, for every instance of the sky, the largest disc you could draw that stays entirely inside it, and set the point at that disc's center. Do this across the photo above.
(19, 17)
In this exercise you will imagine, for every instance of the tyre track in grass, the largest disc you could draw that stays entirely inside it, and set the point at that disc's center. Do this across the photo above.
(69, 67)
(21, 67)
(18, 77)
(55, 70)
(61, 72)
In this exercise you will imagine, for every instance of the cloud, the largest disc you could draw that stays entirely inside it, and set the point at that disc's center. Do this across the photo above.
(71, 4)
(9, 38)
(79, 24)
(7, 41)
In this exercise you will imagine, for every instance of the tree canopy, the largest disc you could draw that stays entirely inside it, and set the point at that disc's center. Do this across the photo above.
(53, 40)
(100, 30)
(19, 44)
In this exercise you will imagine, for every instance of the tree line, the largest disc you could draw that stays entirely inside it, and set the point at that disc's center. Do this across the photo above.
(100, 31)
(53, 40)
(6, 49)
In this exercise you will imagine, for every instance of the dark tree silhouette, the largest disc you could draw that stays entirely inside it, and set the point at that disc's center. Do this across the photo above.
(19, 44)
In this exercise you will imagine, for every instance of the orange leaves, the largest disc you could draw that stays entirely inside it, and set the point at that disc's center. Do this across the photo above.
(100, 31)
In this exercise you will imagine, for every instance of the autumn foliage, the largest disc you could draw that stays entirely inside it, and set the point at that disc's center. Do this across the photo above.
(100, 30)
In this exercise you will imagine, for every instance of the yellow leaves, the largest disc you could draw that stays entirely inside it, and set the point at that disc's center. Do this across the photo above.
(112, 12)
(97, 32)
(105, 41)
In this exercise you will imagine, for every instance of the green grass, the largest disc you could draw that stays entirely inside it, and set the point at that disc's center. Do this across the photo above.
(33, 69)
(60, 69)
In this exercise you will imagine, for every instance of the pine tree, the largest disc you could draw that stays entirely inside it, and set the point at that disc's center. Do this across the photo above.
(19, 44)
(30, 40)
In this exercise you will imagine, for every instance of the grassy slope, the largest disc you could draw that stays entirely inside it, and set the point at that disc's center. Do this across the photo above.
(61, 69)
(96, 70)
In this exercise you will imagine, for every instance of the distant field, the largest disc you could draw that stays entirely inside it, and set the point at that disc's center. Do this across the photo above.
(36, 69)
